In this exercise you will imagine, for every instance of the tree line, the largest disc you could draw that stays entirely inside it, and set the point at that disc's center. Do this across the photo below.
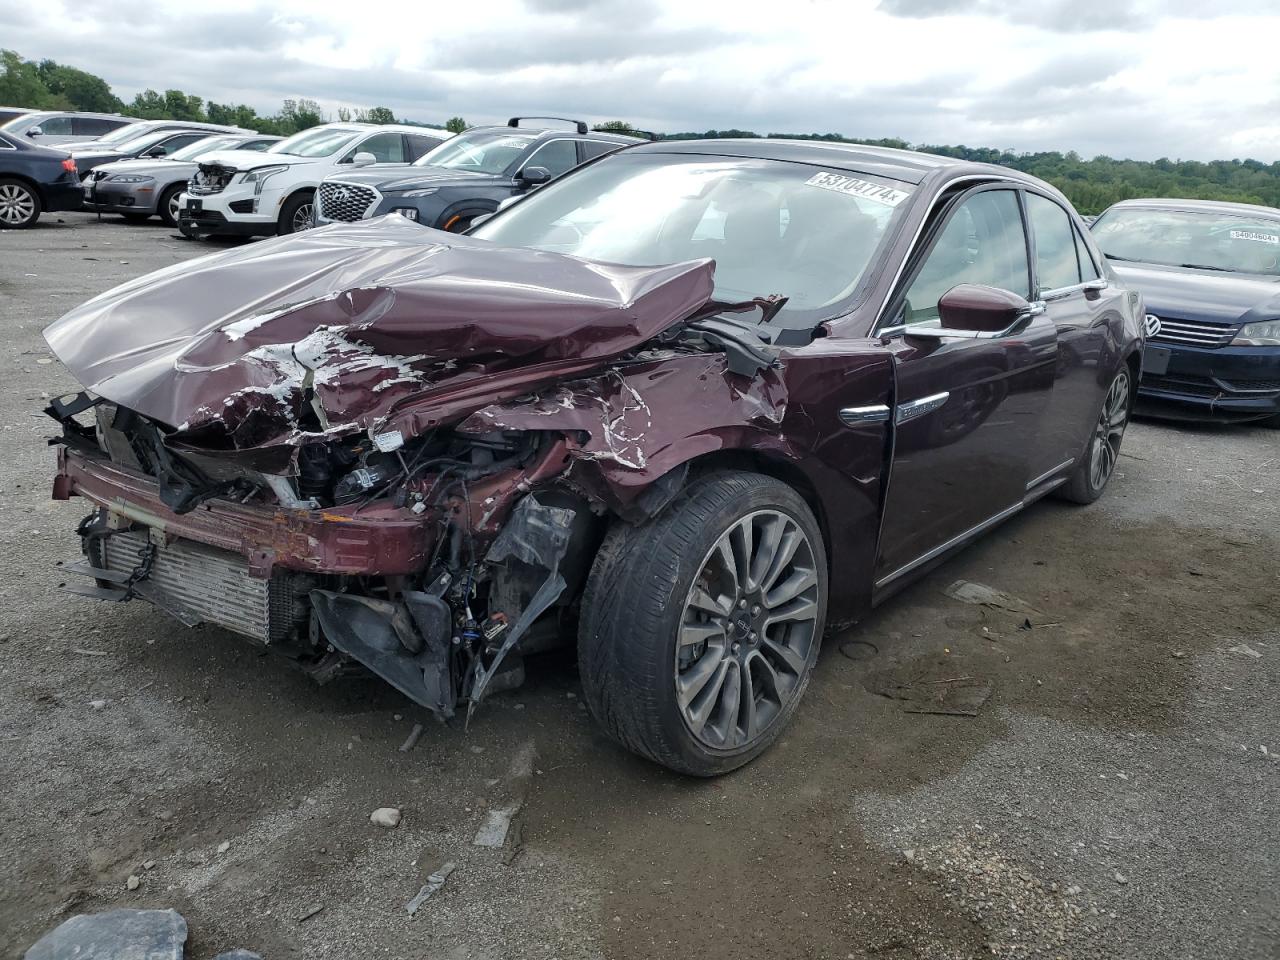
(1091, 185)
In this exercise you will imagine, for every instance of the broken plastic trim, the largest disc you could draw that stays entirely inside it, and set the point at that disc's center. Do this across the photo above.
(537, 536)
(383, 635)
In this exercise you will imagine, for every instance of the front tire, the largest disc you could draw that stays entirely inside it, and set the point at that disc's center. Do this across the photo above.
(700, 628)
(296, 214)
(1094, 470)
(168, 207)
(20, 204)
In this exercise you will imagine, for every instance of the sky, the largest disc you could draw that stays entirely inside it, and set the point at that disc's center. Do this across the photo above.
(1185, 79)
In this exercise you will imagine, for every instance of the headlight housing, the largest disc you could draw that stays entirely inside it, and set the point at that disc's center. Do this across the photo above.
(409, 213)
(129, 178)
(1265, 333)
(424, 192)
(261, 175)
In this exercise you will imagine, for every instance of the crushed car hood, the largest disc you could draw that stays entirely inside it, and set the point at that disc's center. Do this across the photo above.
(249, 159)
(329, 330)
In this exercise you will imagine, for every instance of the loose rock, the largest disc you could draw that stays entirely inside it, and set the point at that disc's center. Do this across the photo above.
(113, 935)
(388, 817)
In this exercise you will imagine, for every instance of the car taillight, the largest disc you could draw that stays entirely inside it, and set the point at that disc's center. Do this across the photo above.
(69, 164)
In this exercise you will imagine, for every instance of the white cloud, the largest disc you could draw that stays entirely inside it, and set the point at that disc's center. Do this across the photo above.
(1138, 78)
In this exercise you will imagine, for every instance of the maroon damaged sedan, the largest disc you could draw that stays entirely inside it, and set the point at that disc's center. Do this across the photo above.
(695, 404)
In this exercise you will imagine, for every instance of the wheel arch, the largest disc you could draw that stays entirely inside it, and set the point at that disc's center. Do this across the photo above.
(31, 182)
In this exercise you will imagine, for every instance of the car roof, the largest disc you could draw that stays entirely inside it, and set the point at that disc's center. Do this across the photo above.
(551, 132)
(1217, 206)
(28, 114)
(357, 126)
(908, 166)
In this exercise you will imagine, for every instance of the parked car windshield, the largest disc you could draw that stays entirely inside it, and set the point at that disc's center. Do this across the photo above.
(799, 231)
(193, 150)
(317, 142)
(142, 142)
(490, 151)
(1191, 238)
(123, 134)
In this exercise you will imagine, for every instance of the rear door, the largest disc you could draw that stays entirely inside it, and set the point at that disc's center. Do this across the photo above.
(1083, 306)
(967, 410)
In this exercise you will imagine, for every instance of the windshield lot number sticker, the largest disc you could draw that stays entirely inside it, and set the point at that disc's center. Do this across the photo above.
(1255, 236)
(858, 188)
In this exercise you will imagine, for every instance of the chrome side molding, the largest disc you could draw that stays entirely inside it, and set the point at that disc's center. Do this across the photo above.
(918, 408)
(854, 416)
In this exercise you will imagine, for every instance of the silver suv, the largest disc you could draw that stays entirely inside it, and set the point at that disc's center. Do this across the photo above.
(49, 128)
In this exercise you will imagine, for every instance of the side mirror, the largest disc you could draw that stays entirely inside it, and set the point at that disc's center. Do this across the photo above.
(156, 152)
(978, 312)
(363, 159)
(531, 177)
(36, 131)
(476, 221)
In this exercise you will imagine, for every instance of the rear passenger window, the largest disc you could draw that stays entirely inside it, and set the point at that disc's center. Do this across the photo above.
(420, 146)
(558, 156)
(92, 126)
(1056, 263)
(1088, 269)
(596, 148)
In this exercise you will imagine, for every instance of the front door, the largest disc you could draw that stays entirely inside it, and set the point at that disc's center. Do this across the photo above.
(966, 411)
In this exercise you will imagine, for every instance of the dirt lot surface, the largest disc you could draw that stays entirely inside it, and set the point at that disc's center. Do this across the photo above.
(1116, 796)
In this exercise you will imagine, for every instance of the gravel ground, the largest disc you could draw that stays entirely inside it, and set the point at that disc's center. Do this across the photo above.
(1115, 797)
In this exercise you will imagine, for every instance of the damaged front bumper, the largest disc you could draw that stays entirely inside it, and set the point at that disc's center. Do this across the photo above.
(377, 584)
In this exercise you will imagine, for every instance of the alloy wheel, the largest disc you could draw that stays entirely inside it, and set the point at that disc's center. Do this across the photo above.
(175, 207)
(301, 218)
(17, 205)
(748, 630)
(1109, 431)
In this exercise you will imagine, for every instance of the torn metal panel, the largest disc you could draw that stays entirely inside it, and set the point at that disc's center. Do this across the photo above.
(407, 644)
(330, 331)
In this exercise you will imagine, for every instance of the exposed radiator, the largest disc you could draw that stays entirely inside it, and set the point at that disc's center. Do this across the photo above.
(203, 584)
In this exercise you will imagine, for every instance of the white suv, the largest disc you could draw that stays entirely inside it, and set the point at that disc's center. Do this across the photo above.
(248, 193)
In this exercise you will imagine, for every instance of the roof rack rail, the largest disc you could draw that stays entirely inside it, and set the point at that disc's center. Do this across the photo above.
(581, 125)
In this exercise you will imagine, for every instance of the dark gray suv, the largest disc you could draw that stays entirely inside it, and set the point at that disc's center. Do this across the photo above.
(465, 177)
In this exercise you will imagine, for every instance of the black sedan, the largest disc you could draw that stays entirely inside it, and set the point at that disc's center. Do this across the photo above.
(1210, 275)
(34, 179)
(465, 177)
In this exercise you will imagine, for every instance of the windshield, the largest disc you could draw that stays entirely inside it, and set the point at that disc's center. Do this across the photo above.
(138, 144)
(792, 229)
(489, 152)
(193, 150)
(123, 134)
(1186, 238)
(316, 142)
(19, 120)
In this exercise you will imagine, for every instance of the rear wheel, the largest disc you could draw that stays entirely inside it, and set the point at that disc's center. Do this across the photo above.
(20, 205)
(700, 628)
(169, 207)
(295, 216)
(1099, 462)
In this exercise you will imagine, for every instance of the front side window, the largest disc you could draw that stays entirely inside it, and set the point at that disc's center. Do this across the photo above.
(420, 146)
(1207, 239)
(558, 156)
(57, 127)
(983, 242)
(798, 231)
(1056, 263)
(1088, 269)
(385, 147)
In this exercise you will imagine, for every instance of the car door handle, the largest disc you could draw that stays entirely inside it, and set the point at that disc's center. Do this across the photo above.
(918, 408)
